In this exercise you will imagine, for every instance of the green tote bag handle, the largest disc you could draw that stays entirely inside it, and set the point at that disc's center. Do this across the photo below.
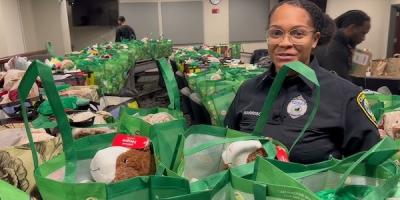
(41, 70)
(268, 144)
(170, 83)
(306, 72)
(377, 155)
(374, 157)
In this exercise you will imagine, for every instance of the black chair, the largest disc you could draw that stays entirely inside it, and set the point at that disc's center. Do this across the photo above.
(174, 66)
(185, 101)
(200, 113)
(181, 80)
(257, 54)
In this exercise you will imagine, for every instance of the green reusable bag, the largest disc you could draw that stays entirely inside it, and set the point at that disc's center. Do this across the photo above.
(210, 87)
(130, 120)
(217, 95)
(9, 192)
(67, 176)
(153, 48)
(271, 179)
(218, 105)
(366, 175)
(195, 79)
(235, 50)
(200, 150)
(68, 102)
(380, 104)
(127, 121)
(166, 134)
(308, 73)
(371, 176)
(239, 183)
(165, 48)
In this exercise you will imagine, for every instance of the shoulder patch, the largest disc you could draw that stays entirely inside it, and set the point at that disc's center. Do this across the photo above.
(364, 105)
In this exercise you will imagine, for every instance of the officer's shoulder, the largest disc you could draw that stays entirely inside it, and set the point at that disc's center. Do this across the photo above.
(333, 82)
(253, 82)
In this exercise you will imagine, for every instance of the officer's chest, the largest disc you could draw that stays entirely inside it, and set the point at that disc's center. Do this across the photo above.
(292, 108)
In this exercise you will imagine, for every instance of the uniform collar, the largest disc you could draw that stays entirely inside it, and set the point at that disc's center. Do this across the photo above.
(268, 76)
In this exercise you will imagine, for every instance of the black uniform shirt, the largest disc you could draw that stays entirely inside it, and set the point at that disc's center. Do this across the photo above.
(124, 32)
(336, 55)
(340, 128)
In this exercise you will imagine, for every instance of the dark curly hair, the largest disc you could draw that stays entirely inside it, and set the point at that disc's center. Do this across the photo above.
(316, 14)
(328, 31)
(121, 18)
(356, 17)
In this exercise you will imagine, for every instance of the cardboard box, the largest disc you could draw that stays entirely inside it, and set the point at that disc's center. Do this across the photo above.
(361, 62)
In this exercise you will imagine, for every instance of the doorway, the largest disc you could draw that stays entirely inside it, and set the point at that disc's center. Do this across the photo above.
(394, 31)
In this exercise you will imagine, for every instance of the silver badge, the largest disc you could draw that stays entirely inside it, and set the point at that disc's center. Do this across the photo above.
(297, 107)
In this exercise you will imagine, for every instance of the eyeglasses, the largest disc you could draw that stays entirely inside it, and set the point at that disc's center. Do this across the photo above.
(296, 36)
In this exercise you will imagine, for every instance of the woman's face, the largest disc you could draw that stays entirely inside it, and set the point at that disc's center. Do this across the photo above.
(291, 35)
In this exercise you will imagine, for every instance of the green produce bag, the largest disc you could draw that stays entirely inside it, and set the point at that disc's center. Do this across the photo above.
(67, 176)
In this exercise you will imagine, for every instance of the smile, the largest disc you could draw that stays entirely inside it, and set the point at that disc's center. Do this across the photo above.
(285, 57)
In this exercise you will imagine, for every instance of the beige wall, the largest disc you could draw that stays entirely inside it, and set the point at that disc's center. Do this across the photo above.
(378, 10)
(66, 36)
(3, 45)
(11, 33)
(49, 24)
(28, 22)
(216, 28)
(26, 25)
(82, 37)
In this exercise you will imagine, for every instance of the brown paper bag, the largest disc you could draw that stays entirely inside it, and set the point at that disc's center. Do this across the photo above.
(393, 67)
(378, 67)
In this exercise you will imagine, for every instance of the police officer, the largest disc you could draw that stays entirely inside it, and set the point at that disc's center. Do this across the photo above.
(342, 126)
